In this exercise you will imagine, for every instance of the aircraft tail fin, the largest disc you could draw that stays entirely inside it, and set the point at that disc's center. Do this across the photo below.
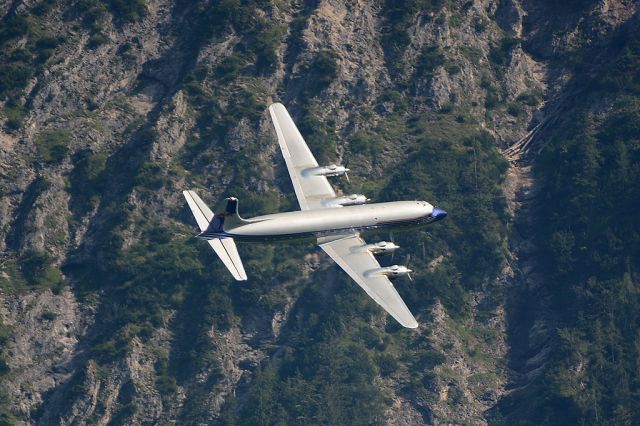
(224, 247)
(227, 212)
(224, 217)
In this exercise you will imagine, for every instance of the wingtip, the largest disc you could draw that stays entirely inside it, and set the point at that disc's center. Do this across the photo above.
(408, 323)
(277, 108)
(188, 193)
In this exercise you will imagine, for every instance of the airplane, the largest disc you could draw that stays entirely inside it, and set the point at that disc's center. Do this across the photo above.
(334, 221)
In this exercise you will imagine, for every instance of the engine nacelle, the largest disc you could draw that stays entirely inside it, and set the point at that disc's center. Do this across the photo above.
(394, 271)
(330, 170)
(347, 200)
(382, 247)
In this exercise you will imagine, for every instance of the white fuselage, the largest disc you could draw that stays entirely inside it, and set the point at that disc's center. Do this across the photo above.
(330, 221)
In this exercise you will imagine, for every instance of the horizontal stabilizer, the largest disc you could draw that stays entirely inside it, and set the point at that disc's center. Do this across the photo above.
(201, 212)
(226, 250)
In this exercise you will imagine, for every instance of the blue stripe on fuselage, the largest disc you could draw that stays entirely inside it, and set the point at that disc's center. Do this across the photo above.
(425, 220)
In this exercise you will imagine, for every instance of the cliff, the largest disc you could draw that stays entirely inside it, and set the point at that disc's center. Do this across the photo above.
(113, 314)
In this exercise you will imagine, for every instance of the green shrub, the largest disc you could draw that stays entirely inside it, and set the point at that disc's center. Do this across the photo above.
(500, 55)
(150, 176)
(122, 413)
(429, 380)
(87, 179)
(112, 349)
(45, 46)
(530, 98)
(37, 269)
(127, 10)
(48, 316)
(14, 77)
(5, 333)
(430, 58)
(47, 42)
(20, 55)
(397, 18)
(398, 100)
(366, 143)
(52, 145)
(13, 27)
(431, 358)
(324, 68)
(453, 69)
(515, 109)
(387, 364)
(266, 45)
(43, 7)
(96, 40)
(14, 116)
(491, 100)
(93, 11)
(319, 73)
(230, 67)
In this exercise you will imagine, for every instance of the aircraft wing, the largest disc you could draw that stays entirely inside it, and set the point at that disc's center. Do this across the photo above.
(310, 190)
(347, 252)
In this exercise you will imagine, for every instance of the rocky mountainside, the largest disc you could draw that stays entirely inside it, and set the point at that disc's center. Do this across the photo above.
(111, 313)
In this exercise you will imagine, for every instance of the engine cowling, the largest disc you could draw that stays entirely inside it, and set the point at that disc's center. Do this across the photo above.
(382, 247)
(394, 271)
(330, 170)
(346, 200)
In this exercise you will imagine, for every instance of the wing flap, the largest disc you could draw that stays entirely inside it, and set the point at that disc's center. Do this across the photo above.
(347, 253)
(310, 190)
(226, 250)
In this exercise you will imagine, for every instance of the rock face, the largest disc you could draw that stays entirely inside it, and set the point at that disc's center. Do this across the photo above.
(127, 99)
(44, 348)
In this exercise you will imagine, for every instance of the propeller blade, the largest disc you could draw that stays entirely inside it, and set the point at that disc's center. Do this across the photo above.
(347, 176)
(410, 279)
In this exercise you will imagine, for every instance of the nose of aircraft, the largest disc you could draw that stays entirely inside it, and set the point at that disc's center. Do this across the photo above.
(439, 214)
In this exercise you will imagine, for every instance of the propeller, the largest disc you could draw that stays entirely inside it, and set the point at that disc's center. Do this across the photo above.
(346, 169)
(407, 263)
(393, 253)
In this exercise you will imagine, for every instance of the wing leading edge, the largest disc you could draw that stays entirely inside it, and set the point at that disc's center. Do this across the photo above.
(346, 250)
(310, 189)
(361, 265)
